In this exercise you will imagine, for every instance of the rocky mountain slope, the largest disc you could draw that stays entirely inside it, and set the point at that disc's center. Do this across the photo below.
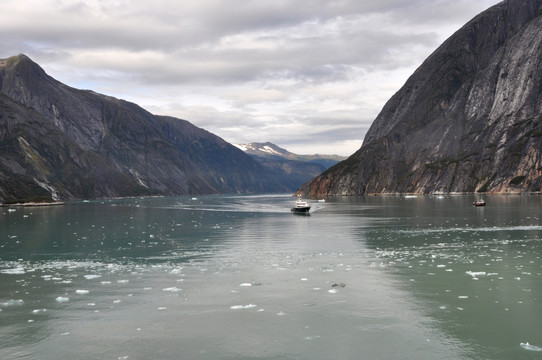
(468, 120)
(62, 143)
(292, 169)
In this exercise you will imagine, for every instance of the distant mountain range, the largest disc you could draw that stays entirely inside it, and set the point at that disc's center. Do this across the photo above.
(468, 120)
(57, 142)
(292, 169)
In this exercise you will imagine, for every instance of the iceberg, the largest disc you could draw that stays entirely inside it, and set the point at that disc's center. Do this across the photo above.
(530, 347)
(238, 307)
(14, 271)
(172, 289)
(12, 302)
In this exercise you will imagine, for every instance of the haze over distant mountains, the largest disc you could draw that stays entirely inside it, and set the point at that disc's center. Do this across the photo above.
(468, 120)
(292, 169)
(58, 142)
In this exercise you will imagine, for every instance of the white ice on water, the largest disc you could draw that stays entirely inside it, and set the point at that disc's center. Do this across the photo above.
(530, 347)
(82, 292)
(172, 289)
(92, 276)
(62, 299)
(239, 307)
(12, 302)
(476, 273)
(14, 271)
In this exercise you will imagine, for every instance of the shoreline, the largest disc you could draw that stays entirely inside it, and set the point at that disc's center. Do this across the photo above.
(56, 203)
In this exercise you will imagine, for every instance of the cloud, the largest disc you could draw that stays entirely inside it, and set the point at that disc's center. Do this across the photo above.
(308, 74)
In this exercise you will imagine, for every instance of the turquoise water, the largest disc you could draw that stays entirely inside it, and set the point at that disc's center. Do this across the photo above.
(240, 277)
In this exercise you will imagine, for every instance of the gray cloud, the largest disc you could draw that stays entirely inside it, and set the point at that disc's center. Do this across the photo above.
(310, 74)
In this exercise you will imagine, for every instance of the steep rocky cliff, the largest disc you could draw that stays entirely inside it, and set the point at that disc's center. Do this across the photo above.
(468, 120)
(63, 143)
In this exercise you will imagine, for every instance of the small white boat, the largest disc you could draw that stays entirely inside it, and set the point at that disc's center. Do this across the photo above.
(300, 206)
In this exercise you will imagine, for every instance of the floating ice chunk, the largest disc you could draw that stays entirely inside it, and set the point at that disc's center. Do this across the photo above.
(82, 292)
(172, 289)
(123, 281)
(117, 301)
(14, 271)
(246, 284)
(13, 302)
(162, 308)
(314, 337)
(281, 313)
(476, 273)
(239, 307)
(333, 291)
(92, 276)
(463, 297)
(175, 271)
(304, 279)
(62, 299)
(530, 347)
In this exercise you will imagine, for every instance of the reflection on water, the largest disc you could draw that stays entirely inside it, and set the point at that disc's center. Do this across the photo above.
(233, 277)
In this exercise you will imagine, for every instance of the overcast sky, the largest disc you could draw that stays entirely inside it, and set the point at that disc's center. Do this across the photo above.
(307, 75)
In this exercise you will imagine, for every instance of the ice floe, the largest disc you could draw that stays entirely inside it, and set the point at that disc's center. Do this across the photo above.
(12, 302)
(62, 299)
(530, 347)
(14, 271)
(82, 292)
(92, 276)
(172, 289)
(239, 307)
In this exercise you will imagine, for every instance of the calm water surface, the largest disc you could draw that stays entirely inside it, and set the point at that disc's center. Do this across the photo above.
(239, 277)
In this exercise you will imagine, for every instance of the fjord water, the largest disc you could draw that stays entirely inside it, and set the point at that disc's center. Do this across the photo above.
(239, 277)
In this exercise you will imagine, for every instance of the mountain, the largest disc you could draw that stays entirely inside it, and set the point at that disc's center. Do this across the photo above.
(468, 120)
(271, 151)
(291, 169)
(57, 142)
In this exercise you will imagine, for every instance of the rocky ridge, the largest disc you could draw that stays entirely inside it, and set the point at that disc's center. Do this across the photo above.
(468, 120)
(57, 142)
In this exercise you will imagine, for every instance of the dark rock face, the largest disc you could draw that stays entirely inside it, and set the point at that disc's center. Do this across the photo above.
(468, 120)
(63, 143)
